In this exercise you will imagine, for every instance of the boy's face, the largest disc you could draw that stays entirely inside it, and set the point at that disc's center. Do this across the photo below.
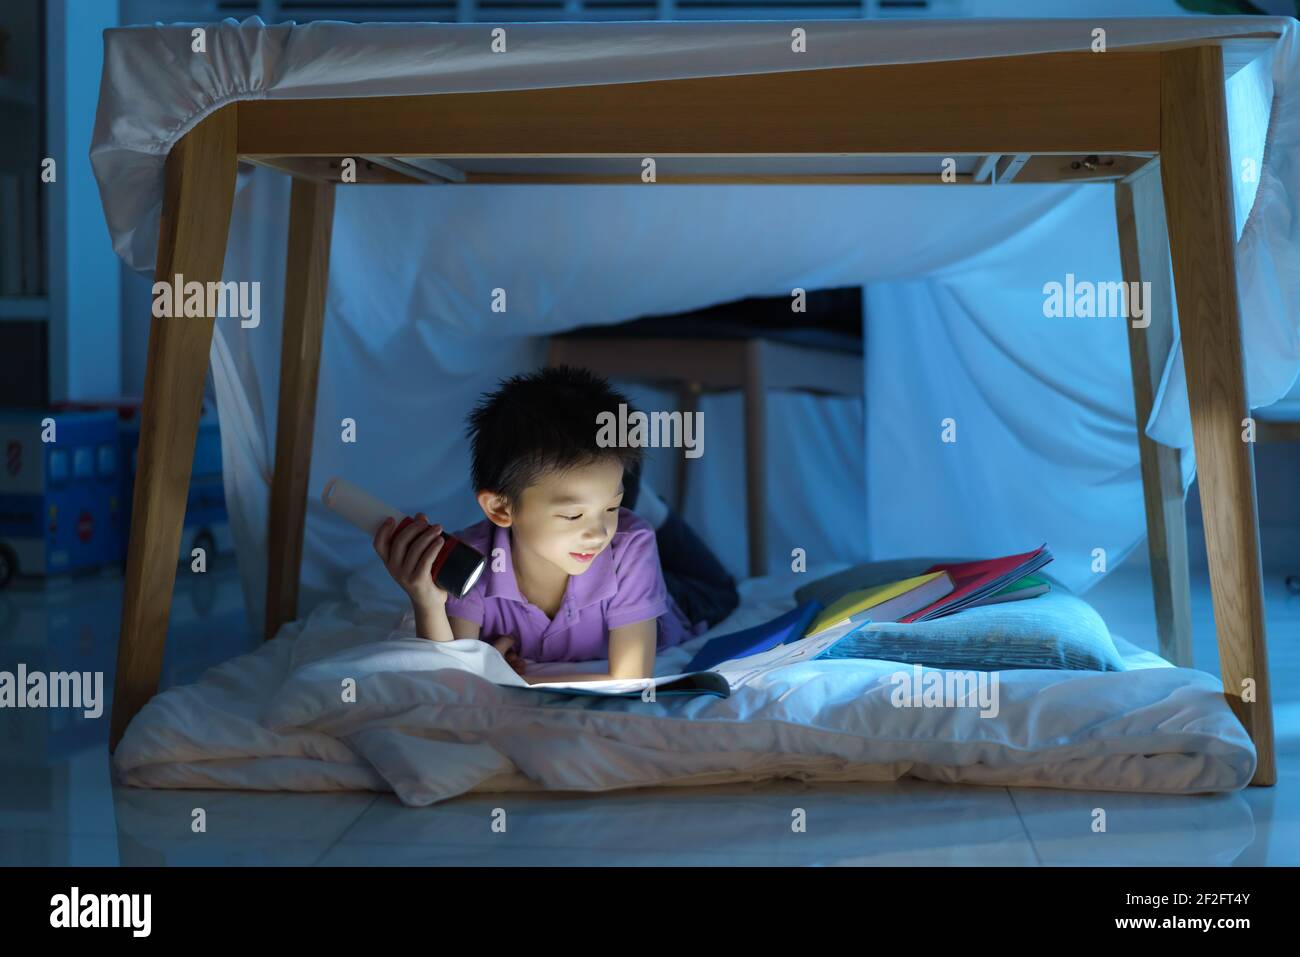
(568, 518)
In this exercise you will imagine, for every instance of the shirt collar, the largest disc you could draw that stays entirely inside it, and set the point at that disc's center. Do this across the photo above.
(596, 584)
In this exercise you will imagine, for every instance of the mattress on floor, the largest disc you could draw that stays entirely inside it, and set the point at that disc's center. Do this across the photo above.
(341, 702)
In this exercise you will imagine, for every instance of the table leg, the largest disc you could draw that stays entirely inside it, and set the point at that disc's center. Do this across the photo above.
(1196, 173)
(306, 277)
(198, 197)
(1144, 250)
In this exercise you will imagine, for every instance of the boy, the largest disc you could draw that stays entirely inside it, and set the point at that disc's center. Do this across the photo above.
(572, 575)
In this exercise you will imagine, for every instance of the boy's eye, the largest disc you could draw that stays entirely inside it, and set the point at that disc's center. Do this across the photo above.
(574, 518)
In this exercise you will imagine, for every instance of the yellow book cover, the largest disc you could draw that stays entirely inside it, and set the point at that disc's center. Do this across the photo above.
(887, 602)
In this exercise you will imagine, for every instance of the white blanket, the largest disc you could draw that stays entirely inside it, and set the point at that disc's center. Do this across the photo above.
(426, 724)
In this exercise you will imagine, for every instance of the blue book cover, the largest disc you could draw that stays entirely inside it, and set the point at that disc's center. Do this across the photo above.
(708, 682)
(752, 641)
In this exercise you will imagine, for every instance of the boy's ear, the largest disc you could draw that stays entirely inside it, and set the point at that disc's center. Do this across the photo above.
(495, 507)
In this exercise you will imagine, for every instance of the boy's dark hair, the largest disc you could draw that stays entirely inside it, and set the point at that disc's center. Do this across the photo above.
(538, 422)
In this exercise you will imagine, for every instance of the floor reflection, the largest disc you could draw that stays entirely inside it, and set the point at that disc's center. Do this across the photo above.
(59, 807)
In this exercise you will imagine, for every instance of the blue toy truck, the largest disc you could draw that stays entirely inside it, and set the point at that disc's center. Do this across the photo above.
(66, 482)
(60, 492)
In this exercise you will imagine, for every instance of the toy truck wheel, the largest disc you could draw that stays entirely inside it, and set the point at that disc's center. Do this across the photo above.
(8, 565)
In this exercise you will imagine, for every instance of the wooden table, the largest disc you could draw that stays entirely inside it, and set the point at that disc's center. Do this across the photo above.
(1152, 120)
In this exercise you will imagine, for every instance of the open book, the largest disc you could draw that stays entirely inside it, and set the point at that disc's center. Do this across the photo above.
(742, 671)
(720, 680)
(695, 683)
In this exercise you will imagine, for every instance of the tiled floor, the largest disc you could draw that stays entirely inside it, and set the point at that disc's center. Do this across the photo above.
(57, 805)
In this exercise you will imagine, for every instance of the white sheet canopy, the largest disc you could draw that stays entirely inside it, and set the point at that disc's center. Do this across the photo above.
(954, 278)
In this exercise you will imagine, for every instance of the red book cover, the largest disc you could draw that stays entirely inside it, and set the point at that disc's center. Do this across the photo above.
(974, 580)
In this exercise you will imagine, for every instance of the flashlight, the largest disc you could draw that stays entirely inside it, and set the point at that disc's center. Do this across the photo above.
(458, 565)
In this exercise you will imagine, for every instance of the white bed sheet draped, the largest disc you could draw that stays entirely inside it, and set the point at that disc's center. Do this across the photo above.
(1046, 445)
(955, 300)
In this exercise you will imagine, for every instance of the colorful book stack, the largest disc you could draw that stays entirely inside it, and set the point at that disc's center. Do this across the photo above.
(983, 582)
(942, 590)
(889, 602)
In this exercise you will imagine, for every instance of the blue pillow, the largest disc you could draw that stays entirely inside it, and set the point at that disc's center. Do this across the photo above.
(1056, 631)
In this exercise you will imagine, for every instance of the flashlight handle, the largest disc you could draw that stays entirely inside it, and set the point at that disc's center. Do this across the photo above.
(455, 568)
(462, 563)
(358, 507)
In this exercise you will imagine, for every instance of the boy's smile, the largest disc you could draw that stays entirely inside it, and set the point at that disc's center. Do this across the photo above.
(560, 524)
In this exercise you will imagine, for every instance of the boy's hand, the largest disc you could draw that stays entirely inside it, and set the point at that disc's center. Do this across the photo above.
(506, 645)
(409, 555)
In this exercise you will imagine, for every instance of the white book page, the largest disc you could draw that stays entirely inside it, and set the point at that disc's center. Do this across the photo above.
(609, 685)
(741, 671)
(738, 671)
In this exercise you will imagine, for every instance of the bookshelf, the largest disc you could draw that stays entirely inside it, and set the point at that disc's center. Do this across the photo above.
(60, 282)
(21, 112)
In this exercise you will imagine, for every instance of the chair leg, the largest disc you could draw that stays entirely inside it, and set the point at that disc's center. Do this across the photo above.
(306, 277)
(756, 456)
(688, 401)
(1196, 172)
(1144, 250)
(199, 193)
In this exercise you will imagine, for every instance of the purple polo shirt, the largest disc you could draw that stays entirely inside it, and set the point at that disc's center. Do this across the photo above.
(624, 585)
